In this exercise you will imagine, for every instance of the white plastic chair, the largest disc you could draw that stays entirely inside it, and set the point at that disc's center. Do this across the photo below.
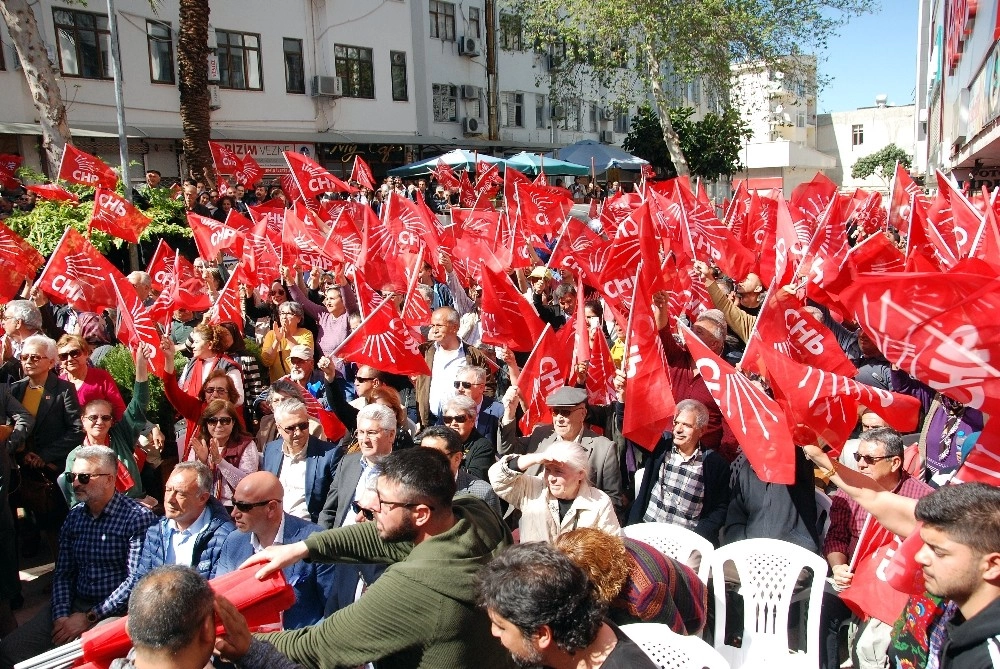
(823, 504)
(669, 650)
(675, 542)
(768, 570)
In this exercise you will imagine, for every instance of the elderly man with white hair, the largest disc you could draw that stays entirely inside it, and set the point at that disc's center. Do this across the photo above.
(305, 465)
(560, 499)
(21, 319)
(478, 452)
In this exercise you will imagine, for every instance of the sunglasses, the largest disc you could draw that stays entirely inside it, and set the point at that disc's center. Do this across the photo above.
(216, 390)
(455, 419)
(219, 420)
(367, 513)
(97, 418)
(467, 385)
(870, 459)
(299, 361)
(246, 507)
(84, 478)
(278, 292)
(75, 353)
(298, 427)
(363, 379)
(31, 357)
(563, 411)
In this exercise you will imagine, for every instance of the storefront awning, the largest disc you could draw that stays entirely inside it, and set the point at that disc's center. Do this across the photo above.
(35, 129)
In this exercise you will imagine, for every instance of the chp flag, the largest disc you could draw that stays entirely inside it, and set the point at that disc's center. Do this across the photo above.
(77, 273)
(79, 167)
(117, 216)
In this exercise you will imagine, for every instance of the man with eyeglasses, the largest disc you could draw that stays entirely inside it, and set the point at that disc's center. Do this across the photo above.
(569, 412)
(261, 523)
(422, 611)
(304, 464)
(194, 526)
(21, 319)
(97, 563)
(471, 382)
(880, 457)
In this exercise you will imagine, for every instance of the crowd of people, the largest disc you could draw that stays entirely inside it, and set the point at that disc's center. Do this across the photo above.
(418, 518)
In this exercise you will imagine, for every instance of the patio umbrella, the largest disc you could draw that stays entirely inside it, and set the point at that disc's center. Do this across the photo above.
(604, 156)
(457, 159)
(532, 163)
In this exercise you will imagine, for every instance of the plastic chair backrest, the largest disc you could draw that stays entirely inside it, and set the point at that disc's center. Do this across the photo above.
(768, 571)
(823, 504)
(669, 650)
(675, 542)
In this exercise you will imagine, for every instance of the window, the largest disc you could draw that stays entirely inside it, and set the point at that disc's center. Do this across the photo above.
(541, 119)
(511, 34)
(397, 71)
(84, 43)
(239, 61)
(295, 73)
(572, 119)
(622, 122)
(161, 52)
(512, 110)
(593, 116)
(857, 134)
(354, 67)
(445, 102)
(800, 120)
(443, 20)
(475, 23)
(694, 93)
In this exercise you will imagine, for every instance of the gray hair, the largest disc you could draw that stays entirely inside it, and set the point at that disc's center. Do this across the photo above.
(100, 455)
(203, 475)
(47, 345)
(699, 410)
(294, 307)
(573, 454)
(141, 278)
(714, 315)
(288, 405)
(450, 314)
(563, 290)
(482, 374)
(25, 311)
(383, 415)
(287, 388)
(463, 403)
(890, 440)
(167, 607)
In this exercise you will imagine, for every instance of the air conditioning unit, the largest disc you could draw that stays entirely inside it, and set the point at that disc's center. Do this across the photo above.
(327, 87)
(471, 92)
(214, 99)
(607, 114)
(607, 137)
(469, 46)
(557, 111)
(472, 126)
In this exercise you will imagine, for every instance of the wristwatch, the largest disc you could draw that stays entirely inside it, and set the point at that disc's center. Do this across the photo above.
(92, 616)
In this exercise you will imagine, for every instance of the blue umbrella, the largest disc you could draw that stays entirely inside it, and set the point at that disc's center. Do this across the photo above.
(458, 159)
(532, 163)
(604, 156)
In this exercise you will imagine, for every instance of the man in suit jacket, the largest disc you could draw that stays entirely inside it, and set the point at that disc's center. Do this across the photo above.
(569, 409)
(261, 523)
(304, 464)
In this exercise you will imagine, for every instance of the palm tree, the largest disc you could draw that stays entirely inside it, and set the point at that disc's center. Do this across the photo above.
(192, 64)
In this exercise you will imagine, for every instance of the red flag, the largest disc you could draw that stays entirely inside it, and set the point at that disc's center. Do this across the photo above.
(312, 178)
(965, 222)
(600, 371)
(508, 319)
(813, 197)
(384, 342)
(869, 595)
(940, 328)
(361, 173)
(876, 254)
(445, 176)
(77, 273)
(581, 345)
(903, 189)
(161, 266)
(986, 246)
(407, 228)
(228, 307)
(416, 310)
(983, 461)
(542, 209)
(902, 571)
(826, 256)
(304, 246)
(711, 240)
(785, 326)
(368, 298)
(792, 236)
(187, 288)
(576, 242)
(8, 166)
(467, 193)
(17, 253)
(272, 213)
(649, 400)
(260, 259)
(226, 162)
(756, 420)
(53, 192)
(511, 245)
(212, 237)
(249, 172)
(488, 180)
(827, 404)
(116, 216)
(135, 323)
(82, 168)
(543, 373)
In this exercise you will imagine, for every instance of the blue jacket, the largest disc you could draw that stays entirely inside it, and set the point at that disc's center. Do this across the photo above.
(313, 582)
(207, 546)
(322, 458)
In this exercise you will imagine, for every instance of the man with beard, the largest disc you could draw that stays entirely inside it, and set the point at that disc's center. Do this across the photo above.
(422, 611)
(547, 613)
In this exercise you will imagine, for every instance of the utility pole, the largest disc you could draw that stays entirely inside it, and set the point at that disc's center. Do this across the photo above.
(116, 70)
(491, 70)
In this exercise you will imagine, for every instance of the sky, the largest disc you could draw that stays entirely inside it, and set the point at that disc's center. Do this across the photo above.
(873, 54)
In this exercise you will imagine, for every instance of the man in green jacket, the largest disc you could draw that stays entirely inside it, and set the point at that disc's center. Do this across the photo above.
(422, 611)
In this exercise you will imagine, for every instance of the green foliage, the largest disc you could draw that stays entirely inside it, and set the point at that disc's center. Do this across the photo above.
(44, 225)
(119, 364)
(711, 146)
(882, 163)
